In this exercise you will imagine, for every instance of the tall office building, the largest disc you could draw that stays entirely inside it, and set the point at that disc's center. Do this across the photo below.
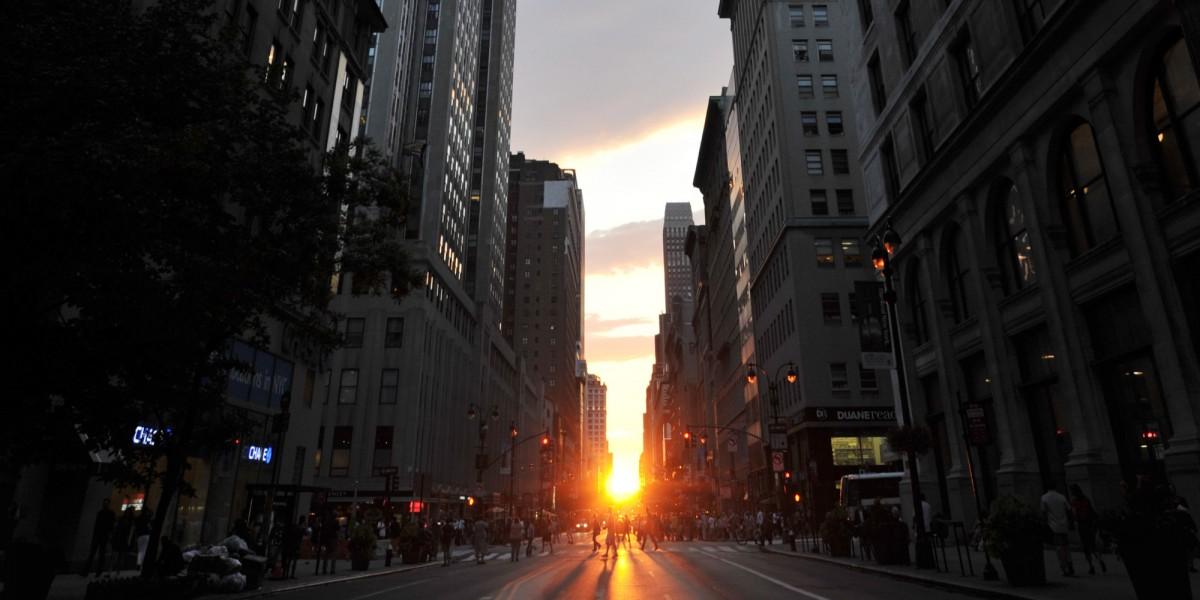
(398, 395)
(543, 309)
(677, 273)
(1038, 160)
(595, 419)
(804, 220)
(390, 69)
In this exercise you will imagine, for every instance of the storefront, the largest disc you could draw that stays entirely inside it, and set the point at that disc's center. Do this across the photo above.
(837, 441)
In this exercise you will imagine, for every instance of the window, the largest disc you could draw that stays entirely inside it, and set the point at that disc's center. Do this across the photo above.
(813, 159)
(905, 34)
(851, 253)
(845, 202)
(967, 62)
(829, 85)
(1014, 249)
(868, 379)
(1176, 112)
(922, 122)
(838, 378)
(805, 84)
(800, 50)
(1032, 16)
(833, 122)
(808, 121)
(348, 387)
(274, 58)
(916, 304)
(315, 123)
(891, 176)
(958, 273)
(825, 50)
(841, 162)
(383, 448)
(831, 308)
(339, 463)
(317, 452)
(820, 203)
(354, 332)
(1087, 208)
(866, 13)
(796, 15)
(878, 92)
(824, 249)
(389, 386)
(393, 337)
(865, 451)
(820, 15)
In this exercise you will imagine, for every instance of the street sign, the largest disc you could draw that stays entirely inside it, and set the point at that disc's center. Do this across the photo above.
(976, 420)
(778, 435)
(777, 461)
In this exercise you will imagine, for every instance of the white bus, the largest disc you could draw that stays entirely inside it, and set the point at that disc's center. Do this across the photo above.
(859, 492)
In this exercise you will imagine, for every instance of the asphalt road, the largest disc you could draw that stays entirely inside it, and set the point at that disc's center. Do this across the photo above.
(681, 570)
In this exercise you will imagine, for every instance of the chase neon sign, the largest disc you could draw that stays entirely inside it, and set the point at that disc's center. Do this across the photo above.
(260, 454)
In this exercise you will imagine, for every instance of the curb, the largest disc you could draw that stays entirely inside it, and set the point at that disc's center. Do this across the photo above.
(981, 592)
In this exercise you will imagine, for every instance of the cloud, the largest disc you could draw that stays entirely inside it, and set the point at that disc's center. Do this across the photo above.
(624, 247)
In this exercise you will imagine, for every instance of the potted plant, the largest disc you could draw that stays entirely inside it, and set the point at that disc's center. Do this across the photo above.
(1013, 531)
(886, 536)
(1154, 539)
(362, 546)
(409, 544)
(836, 531)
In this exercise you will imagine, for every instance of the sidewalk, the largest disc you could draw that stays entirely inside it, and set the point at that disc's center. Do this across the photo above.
(70, 586)
(1102, 586)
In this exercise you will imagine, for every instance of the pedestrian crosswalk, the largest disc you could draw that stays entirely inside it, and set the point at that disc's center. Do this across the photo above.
(583, 550)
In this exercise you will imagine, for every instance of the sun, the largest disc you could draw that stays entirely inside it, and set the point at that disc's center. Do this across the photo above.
(623, 484)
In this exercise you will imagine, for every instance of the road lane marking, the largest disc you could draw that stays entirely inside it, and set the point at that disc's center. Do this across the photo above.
(392, 589)
(777, 582)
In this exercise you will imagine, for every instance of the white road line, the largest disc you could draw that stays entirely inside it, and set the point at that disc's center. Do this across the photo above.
(727, 549)
(777, 582)
(392, 589)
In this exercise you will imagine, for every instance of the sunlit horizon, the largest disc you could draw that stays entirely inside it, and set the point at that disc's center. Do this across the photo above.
(623, 484)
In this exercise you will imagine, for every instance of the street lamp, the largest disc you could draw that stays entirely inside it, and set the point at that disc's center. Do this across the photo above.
(512, 468)
(881, 257)
(752, 371)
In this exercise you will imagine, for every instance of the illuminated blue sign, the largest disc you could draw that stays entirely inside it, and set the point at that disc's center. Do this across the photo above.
(144, 436)
(260, 454)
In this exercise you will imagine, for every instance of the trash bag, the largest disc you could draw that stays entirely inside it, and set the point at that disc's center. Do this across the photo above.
(236, 545)
(233, 583)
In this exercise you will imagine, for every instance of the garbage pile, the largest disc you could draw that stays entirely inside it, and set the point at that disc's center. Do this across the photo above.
(228, 567)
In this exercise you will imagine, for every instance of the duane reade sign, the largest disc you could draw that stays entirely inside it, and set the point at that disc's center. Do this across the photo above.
(851, 414)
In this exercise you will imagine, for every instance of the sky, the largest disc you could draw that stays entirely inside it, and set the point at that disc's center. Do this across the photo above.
(618, 89)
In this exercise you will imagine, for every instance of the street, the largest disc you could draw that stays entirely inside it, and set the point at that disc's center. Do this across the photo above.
(680, 570)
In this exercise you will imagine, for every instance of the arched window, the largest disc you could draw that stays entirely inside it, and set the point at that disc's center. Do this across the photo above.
(1087, 204)
(1014, 249)
(915, 299)
(1177, 119)
(958, 273)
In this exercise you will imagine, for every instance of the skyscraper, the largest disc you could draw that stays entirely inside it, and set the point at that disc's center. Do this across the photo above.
(543, 308)
(595, 429)
(677, 272)
(804, 220)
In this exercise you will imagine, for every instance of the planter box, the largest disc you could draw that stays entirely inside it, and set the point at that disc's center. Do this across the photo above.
(1025, 567)
(360, 563)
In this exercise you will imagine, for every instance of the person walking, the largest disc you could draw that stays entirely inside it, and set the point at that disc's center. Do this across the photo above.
(102, 529)
(649, 530)
(328, 536)
(293, 536)
(529, 535)
(612, 539)
(479, 538)
(548, 535)
(516, 530)
(1086, 521)
(447, 534)
(1056, 511)
(141, 532)
(122, 536)
(595, 533)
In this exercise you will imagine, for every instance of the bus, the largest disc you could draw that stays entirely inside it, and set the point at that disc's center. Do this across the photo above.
(859, 492)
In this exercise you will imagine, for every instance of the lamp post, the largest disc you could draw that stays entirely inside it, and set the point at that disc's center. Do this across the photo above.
(512, 468)
(881, 258)
(752, 371)
(481, 454)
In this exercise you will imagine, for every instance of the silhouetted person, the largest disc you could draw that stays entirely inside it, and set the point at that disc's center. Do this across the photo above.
(106, 521)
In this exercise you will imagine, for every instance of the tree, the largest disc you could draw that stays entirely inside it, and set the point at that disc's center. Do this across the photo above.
(163, 206)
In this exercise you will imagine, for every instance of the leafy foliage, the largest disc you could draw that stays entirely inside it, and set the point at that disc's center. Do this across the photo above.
(1012, 525)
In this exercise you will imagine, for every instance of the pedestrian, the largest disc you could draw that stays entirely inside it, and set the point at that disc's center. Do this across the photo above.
(649, 525)
(515, 532)
(1086, 521)
(329, 544)
(595, 533)
(122, 536)
(613, 539)
(102, 530)
(293, 536)
(1056, 511)
(548, 535)
(141, 532)
(530, 533)
(448, 533)
(480, 540)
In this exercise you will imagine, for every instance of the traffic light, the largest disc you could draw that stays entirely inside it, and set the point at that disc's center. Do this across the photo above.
(787, 474)
(703, 440)
(687, 439)
(470, 500)
(796, 497)
(545, 441)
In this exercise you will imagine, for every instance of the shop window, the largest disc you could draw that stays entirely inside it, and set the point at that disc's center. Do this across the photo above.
(860, 451)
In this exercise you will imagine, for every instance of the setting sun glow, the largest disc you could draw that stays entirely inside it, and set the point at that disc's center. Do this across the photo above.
(623, 484)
